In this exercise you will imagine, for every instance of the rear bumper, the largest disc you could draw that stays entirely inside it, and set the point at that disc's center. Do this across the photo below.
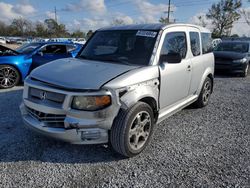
(93, 135)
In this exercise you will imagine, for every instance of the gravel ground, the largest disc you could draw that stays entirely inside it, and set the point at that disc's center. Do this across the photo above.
(207, 147)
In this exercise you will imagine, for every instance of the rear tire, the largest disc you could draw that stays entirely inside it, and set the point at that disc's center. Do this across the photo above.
(132, 129)
(205, 94)
(9, 76)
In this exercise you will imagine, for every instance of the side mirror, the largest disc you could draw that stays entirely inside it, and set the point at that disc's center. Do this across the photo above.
(40, 53)
(170, 58)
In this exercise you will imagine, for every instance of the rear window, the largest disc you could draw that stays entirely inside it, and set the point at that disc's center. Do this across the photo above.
(207, 46)
(54, 49)
(195, 43)
(71, 48)
(28, 48)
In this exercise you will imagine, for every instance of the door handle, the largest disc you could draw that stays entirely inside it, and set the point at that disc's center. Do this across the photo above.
(189, 68)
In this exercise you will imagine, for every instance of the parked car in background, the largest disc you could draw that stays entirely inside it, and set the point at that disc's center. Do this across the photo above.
(232, 57)
(123, 82)
(15, 65)
(80, 41)
(2, 40)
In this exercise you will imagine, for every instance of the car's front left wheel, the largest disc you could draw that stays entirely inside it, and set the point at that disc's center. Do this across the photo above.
(9, 76)
(132, 129)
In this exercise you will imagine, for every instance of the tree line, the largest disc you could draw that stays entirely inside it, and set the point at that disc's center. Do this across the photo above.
(222, 16)
(21, 27)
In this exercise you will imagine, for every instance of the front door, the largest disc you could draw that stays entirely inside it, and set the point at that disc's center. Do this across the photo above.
(175, 78)
(49, 53)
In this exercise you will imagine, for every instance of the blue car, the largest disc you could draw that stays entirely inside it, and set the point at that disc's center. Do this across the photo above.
(15, 65)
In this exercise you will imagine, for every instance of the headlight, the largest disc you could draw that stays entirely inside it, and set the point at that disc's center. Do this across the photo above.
(240, 60)
(91, 103)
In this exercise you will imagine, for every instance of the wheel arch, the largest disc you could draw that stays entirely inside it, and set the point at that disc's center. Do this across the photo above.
(153, 104)
(212, 79)
(209, 73)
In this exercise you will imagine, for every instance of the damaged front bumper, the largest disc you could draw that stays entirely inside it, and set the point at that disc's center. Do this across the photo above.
(73, 135)
(61, 122)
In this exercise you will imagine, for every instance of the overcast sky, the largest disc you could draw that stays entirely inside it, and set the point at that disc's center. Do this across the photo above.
(93, 14)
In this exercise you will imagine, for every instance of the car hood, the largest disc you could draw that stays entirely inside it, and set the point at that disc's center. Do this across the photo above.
(229, 55)
(78, 74)
(11, 49)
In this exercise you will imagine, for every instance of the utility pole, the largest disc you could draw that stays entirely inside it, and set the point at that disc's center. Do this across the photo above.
(169, 3)
(55, 15)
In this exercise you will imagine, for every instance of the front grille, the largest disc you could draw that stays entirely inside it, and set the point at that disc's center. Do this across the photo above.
(42, 96)
(50, 120)
(223, 60)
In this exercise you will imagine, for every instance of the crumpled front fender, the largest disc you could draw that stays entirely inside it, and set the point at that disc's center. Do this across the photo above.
(137, 92)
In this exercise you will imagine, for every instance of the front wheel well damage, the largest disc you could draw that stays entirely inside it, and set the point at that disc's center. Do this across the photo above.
(153, 104)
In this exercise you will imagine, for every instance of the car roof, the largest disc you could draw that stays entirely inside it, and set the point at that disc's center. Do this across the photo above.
(43, 43)
(153, 26)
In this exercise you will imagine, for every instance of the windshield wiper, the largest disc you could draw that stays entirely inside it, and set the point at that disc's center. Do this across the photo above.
(105, 59)
(85, 57)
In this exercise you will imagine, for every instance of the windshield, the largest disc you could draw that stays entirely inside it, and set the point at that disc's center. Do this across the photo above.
(28, 48)
(233, 47)
(132, 47)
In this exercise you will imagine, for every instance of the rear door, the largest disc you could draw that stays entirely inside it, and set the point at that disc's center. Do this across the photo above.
(175, 78)
(196, 58)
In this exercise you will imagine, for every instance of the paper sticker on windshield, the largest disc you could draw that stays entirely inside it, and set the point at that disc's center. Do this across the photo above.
(151, 34)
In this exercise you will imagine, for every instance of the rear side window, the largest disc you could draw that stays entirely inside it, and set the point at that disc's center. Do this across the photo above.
(55, 49)
(175, 42)
(71, 48)
(206, 40)
(195, 43)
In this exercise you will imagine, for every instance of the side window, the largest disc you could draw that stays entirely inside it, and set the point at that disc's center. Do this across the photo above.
(71, 48)
(195, 43)
(54, 49)
(175, 42)
(206, 40)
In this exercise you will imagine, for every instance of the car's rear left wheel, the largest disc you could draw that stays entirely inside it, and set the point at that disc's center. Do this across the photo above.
(9, 76)
(205, 93)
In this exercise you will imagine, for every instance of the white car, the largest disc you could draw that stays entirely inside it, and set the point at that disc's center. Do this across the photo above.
(80, 41)
(2, 40)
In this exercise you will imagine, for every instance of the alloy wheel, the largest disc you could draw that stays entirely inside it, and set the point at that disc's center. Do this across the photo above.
(140, 130)
(206, 92)
(8, 77)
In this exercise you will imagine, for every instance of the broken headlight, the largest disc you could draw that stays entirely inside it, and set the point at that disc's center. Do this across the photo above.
(91, 103)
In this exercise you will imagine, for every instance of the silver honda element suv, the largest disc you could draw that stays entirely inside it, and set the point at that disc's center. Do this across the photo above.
(124, 81)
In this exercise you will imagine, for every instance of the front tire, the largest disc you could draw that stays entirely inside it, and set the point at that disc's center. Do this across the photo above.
(132, 130)
(205, 94)
(9, 76)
